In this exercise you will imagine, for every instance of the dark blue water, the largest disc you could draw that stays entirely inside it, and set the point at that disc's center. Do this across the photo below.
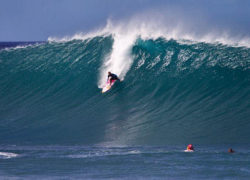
(56, 123)
(98, 162)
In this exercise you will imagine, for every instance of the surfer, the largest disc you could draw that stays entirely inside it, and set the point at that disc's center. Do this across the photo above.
(230, 150)
(190, 147)
(112, 77)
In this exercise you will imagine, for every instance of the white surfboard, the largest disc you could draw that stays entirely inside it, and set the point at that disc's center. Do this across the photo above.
(189, 150)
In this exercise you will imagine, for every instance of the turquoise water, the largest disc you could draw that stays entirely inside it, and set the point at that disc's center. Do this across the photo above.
(58, 124)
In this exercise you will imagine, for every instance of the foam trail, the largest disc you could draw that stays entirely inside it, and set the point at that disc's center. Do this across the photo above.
(8, 155)
(119, 61)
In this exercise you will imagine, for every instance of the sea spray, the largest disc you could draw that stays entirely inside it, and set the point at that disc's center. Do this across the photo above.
(174, 82)
(49, 92)
(120, 60)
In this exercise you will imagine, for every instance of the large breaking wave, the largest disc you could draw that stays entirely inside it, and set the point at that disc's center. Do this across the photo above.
(172, 92)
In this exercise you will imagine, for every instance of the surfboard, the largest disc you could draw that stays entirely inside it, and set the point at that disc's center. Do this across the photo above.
(189, 150)
(108, 86)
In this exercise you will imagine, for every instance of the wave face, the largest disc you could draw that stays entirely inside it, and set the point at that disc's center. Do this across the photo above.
(172, 92)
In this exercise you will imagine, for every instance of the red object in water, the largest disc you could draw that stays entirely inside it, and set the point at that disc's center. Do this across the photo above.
(190, 147)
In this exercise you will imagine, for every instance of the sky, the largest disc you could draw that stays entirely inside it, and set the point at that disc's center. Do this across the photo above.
(36, 20)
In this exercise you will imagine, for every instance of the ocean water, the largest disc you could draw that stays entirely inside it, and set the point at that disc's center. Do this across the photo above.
(55, 123)
(144, 162)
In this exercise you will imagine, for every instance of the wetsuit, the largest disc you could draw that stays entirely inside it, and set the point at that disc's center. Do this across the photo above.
(112, 77)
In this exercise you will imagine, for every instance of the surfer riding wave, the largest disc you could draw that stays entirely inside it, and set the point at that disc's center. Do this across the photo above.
(112, 77)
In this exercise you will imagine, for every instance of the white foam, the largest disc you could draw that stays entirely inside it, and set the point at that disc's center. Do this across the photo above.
(169, 25)
(103, 31)
(188, 150)
(151, 26)
(8, 155)
(134, 152)
(119, 61)
(20, 47)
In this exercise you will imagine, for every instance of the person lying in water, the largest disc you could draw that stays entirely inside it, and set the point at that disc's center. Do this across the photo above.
(112, 77)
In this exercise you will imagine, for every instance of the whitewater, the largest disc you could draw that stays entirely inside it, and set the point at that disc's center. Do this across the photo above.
(177, 88)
